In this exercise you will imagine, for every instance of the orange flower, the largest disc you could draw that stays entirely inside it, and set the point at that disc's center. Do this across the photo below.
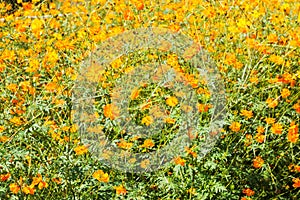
(37, 180)
(52, 86)
(14, 188)
(42, 185)
(172, 101)
(248, 192)
(260, 138)
(294, 168)
(276, 128)
(247, 114)
(258, 162)
(4, 177)
(16, 120)
(235, 126)
(101, 176)
(190, 152)
(179, 161)
(297, 107)
(12, 87)
(128, 15)
(270, 120)
(139, 5)
(80, 150)
(57, 180)
(147, 120)
(28, 189)
(120, 190)
(4, 138)
(148, 143)
(134, 94)
(248, 140)
(285, 93)
(2, 128)
(296, 182)
(111, 111)
(125, 145)
(260, 129)
(203, 107)
(272, 103)
(293, 135)
(276, 59)
(170, 120)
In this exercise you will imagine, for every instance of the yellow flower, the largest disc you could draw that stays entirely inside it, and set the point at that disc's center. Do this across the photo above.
(276, 59)
(12, 87)
(16, 120)
(147, 120)
(42, 185)
(80, 150)
(101, 176)
(36, 25)
(111, 111)
(172, 101)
